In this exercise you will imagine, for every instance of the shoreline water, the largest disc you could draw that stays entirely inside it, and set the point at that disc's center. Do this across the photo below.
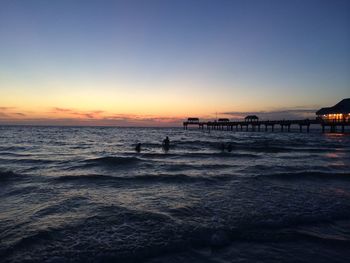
(84, 195)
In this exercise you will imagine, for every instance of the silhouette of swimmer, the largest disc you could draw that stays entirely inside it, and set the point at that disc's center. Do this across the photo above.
(222, 147)
(138, 147)
(166, 144)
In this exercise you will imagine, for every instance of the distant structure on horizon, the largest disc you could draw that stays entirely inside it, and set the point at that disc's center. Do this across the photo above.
(251, 118)
(193, 120)
(340, 112)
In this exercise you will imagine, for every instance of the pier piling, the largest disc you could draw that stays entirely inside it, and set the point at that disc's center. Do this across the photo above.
(256, 125)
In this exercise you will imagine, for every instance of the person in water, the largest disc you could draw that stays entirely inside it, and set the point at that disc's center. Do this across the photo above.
(138, 147)
(229, 147)
(166, 144)
(222, 147)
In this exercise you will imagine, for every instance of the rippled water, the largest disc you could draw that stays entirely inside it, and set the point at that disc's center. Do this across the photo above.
(84, 195)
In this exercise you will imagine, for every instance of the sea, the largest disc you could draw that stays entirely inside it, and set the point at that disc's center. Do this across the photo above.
(83, 194)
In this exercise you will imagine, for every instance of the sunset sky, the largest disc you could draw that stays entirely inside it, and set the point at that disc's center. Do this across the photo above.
(155, 62)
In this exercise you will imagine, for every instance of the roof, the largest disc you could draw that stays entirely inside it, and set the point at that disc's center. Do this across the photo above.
(192, 119)
(223, 120)
(251, 117)
(340, 107)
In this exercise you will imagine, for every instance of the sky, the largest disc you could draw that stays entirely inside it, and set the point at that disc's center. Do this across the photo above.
(157, 62)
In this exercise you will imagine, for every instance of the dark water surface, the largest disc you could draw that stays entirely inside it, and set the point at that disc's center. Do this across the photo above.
(83, 195)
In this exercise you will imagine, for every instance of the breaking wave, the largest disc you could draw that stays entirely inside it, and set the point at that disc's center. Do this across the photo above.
(111, 161)
(309, 175)
(171, 178)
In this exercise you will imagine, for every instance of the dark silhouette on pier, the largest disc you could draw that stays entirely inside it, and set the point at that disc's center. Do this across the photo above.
(251, 118)
(193, 120)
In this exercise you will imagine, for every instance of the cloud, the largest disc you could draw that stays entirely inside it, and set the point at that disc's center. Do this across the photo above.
(6, 112)
(142, 120)
(6, 108)
(19, 114)
(294, 113)
(82, 114)
(72, 117)
(121, 122)
(61, 110)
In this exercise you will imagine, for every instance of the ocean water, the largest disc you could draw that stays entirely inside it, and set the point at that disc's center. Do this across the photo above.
(82, 194)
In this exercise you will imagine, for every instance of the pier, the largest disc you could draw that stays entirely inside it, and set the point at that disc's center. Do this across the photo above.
(332, 119)
(276, 125)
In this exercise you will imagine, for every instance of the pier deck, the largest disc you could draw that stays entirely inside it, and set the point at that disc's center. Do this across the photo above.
(284, 125)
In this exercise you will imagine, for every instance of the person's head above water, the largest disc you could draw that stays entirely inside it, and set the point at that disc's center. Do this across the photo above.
(138, 147)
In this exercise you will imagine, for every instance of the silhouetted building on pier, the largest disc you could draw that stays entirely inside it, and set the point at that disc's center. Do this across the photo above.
(193, 120)
(251, 118)
(338, 113)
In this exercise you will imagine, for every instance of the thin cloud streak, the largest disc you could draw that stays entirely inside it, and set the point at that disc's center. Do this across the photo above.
(275, 114)
(20, 114)
(82, 114)
(6, 108)
(71, 117)
(6, 112)
(124, 122)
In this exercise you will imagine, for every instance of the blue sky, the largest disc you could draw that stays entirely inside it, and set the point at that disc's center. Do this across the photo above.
(172, 58)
